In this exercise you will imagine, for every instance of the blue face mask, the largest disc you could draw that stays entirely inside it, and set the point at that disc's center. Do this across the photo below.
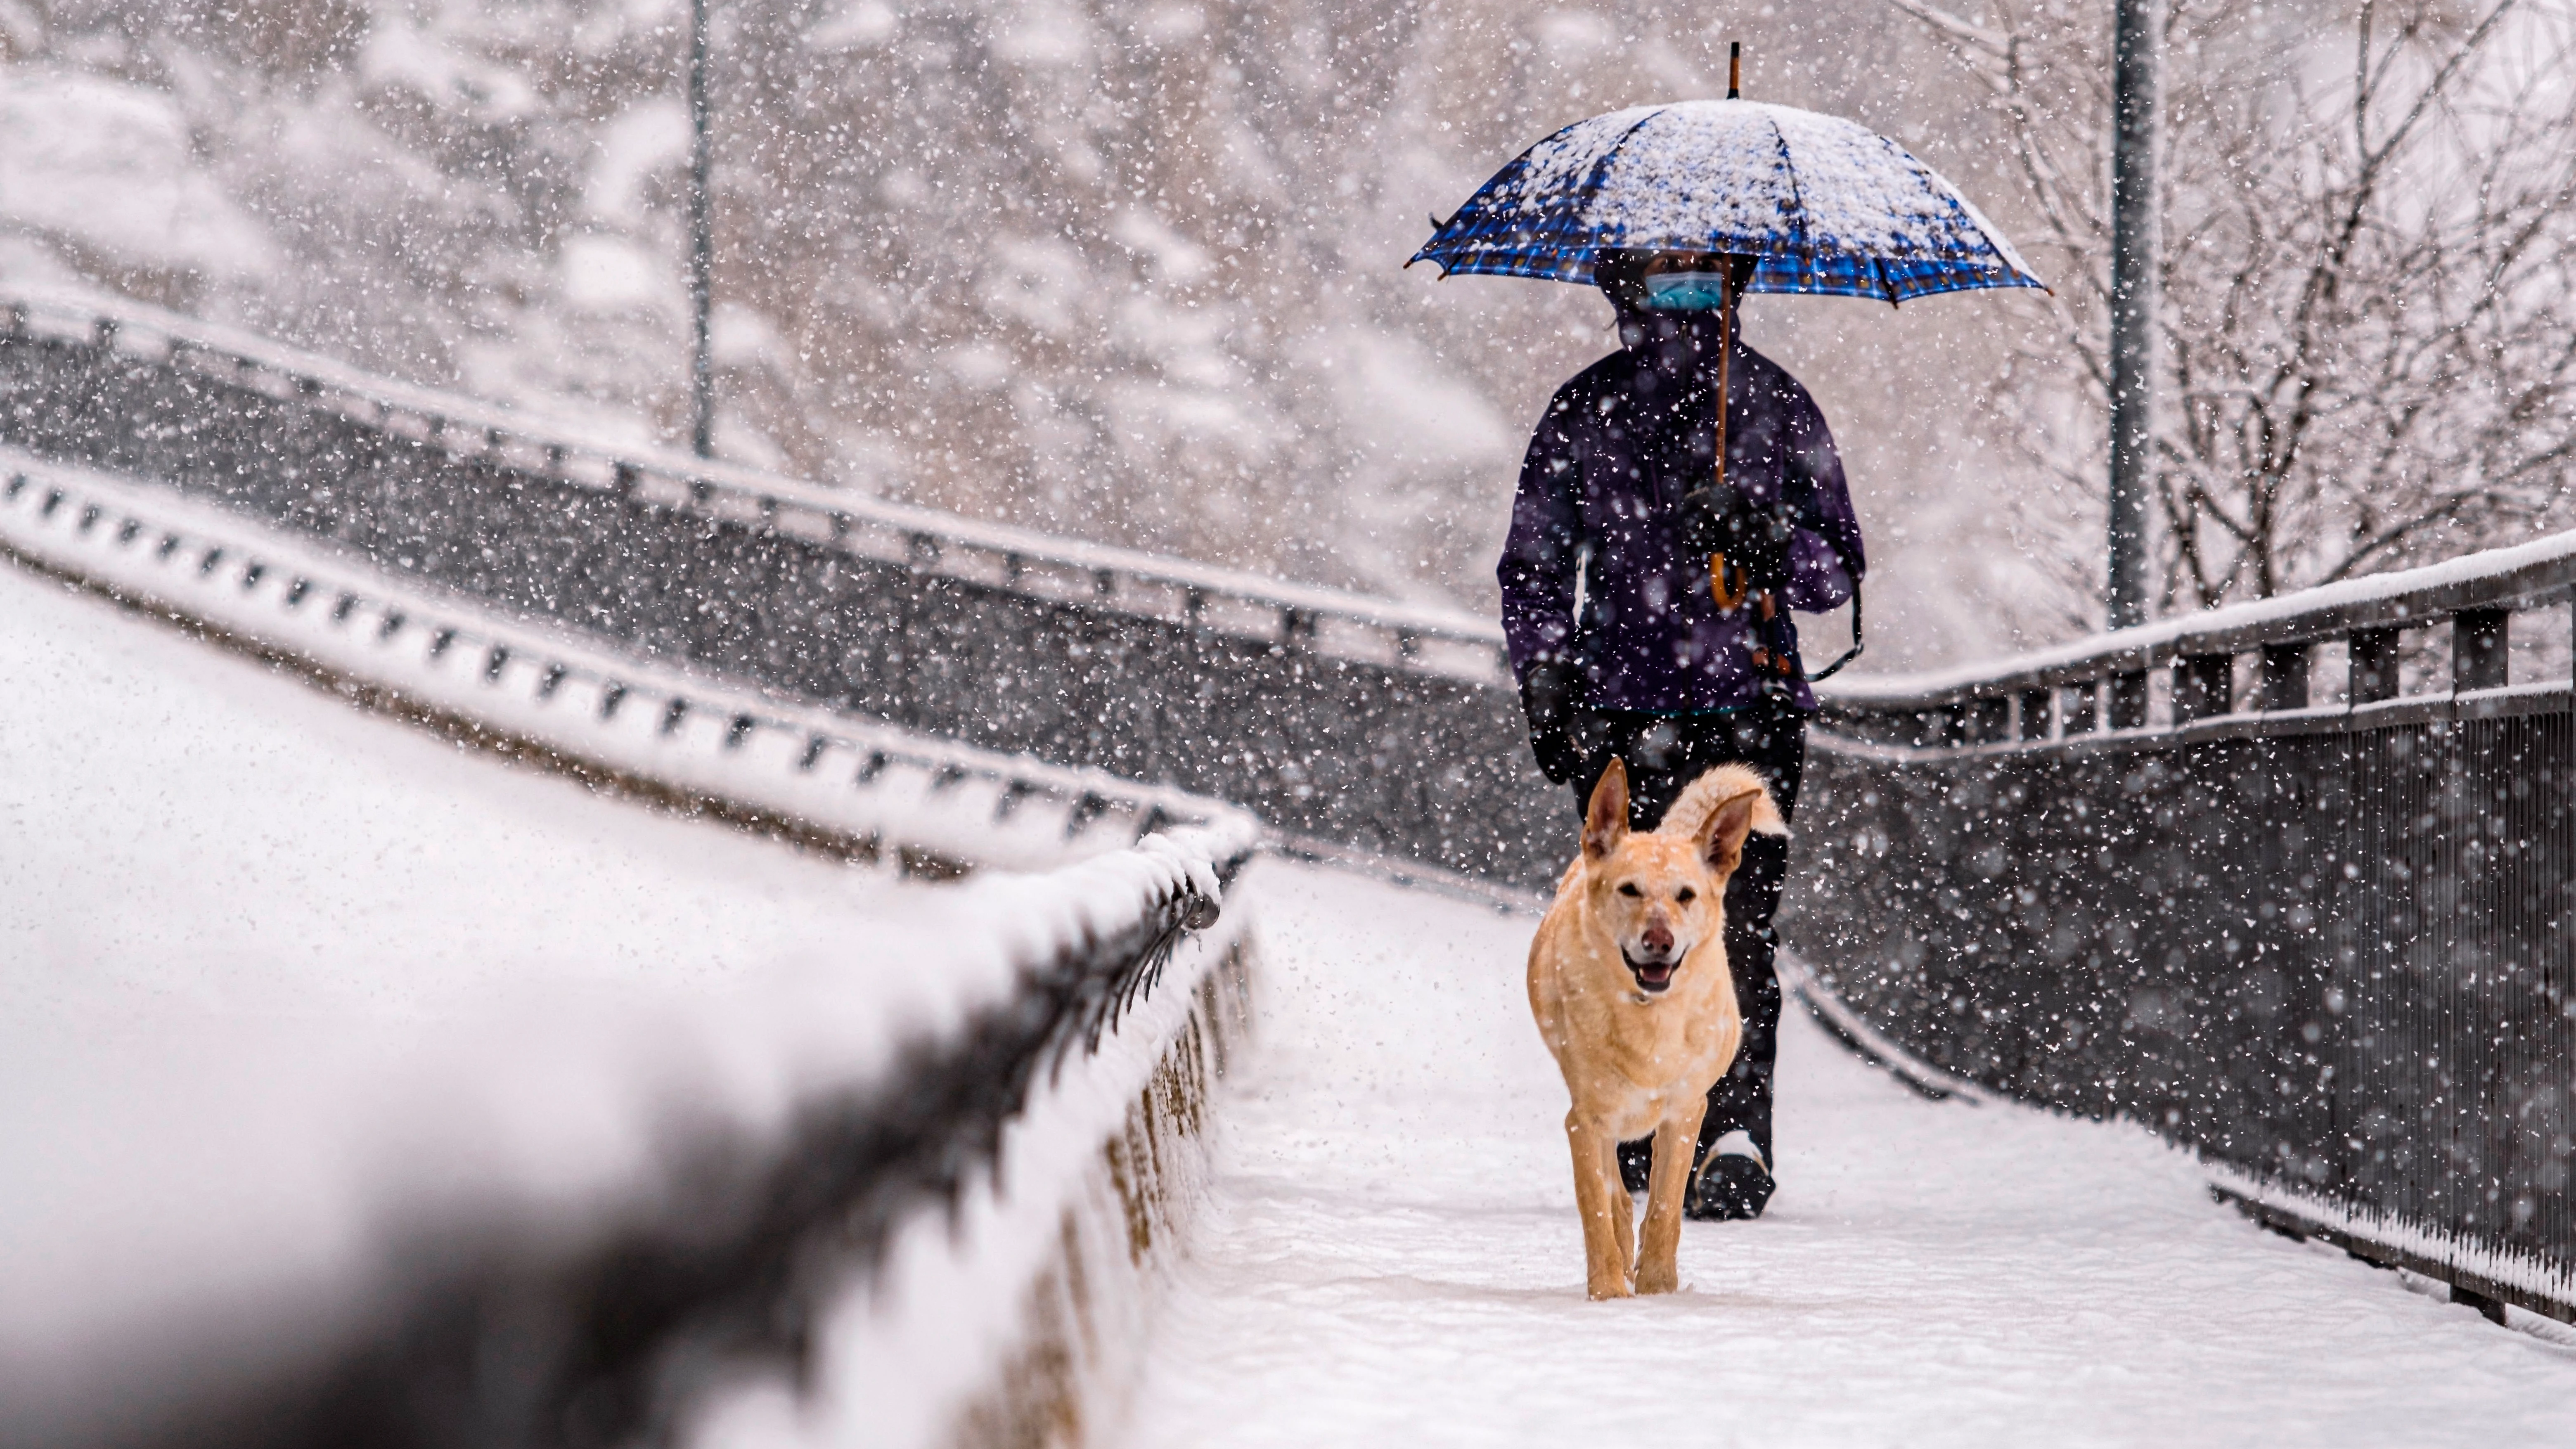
(1686, 291)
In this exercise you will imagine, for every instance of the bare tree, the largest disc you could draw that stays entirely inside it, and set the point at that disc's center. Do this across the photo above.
(2369, 278)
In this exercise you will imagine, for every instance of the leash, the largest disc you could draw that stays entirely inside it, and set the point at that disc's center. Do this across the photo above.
(1778, 665)
(1849, 654)
(1775, 662)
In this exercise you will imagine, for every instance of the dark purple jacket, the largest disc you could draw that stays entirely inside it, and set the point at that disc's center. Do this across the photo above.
(1599, 497)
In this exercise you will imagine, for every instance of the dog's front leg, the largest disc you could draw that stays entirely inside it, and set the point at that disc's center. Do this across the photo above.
(1604, 1206)
(1658, 1268)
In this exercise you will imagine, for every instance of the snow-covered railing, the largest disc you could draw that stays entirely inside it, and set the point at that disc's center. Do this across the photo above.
(877, 1173)
(2290, 882)
(2391, 634)
(647, 727)
(1280, 697)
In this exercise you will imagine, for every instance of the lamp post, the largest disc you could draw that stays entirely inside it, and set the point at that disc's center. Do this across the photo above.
(702, 246)
(2135, 42)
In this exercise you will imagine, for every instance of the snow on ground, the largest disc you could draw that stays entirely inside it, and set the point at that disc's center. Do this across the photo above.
(111, 167)
(1392, 1256)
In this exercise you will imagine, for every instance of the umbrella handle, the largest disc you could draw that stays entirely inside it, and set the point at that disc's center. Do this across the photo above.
(1730, 596)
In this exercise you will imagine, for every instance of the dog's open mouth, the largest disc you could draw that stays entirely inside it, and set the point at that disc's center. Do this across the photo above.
(1652, 976)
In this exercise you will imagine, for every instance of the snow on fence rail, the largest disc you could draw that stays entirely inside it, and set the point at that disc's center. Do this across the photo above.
(2315, 922)
(2417, 640)
(915, 1192)
(647, 728)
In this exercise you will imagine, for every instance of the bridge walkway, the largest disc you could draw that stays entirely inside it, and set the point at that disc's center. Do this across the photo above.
(1390, 1255)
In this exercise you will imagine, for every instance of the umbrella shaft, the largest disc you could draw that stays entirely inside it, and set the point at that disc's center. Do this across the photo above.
(1727, 598)
(1725, 355)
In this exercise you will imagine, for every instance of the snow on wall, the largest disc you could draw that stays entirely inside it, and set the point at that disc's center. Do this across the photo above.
(1428, 638)
(1021, 1317)
(647, 722)
(498, 1154)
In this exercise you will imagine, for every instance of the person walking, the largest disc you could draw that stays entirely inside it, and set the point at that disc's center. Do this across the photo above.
(1629, 642)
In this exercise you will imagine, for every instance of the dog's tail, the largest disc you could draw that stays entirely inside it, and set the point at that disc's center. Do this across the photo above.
(1689, 814)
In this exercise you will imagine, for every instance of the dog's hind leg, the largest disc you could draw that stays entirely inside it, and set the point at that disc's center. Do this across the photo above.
(1658, 1266)
(1605, 1209)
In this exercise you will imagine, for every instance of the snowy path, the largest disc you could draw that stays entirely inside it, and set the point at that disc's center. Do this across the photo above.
(1391, 1256)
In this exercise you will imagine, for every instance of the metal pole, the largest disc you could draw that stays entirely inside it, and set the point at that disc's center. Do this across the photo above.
(702, 244)
(2133, 303)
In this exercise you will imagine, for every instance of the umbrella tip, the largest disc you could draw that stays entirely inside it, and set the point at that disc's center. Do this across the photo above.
(1734, 70)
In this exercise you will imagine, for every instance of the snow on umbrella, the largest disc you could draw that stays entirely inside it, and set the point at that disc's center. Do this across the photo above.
(1822, 204)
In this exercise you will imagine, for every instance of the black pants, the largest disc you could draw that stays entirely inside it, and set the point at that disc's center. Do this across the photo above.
(1664, 753)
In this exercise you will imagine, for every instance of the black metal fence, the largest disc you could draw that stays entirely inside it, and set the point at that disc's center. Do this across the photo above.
(2326, 944)
(1347, 722)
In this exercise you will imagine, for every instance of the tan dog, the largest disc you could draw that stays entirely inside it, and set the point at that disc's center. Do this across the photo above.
(1629, 982)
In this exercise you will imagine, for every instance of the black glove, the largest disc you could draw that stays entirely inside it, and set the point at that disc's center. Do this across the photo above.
(1548, 696)
(1754, 538)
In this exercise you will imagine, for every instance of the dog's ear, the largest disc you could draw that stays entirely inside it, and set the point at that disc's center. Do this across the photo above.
(1721, 840)
(1605, 824)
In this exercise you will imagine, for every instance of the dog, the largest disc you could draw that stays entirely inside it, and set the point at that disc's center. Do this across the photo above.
(1628, 979)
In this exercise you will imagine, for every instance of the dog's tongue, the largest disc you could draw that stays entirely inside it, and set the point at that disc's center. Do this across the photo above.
(1655, 971)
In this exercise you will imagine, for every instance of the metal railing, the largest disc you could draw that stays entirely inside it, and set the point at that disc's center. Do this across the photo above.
(1290, 700)
(2254, 667)
(2314, 921)
(673, 737)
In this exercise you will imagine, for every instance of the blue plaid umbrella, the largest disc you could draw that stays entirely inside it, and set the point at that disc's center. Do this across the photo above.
(1823, 204)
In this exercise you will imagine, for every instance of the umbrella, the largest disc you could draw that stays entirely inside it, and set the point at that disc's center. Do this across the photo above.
(1821, 204)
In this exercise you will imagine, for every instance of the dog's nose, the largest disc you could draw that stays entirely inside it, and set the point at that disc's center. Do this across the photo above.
(1658, 939)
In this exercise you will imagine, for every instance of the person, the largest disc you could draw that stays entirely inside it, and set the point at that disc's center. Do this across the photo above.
(1623, 647)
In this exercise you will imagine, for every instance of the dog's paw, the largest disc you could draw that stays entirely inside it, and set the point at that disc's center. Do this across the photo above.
(1659, 1280)
(1612, 1288)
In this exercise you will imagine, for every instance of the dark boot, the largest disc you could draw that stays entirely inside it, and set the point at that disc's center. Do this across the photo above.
(1734, 1186)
